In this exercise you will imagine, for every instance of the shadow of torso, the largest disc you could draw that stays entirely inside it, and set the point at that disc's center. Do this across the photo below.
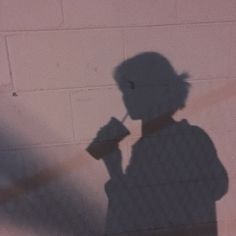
(173, 181)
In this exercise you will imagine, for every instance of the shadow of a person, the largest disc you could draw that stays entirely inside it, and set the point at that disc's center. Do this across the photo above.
(174, 177)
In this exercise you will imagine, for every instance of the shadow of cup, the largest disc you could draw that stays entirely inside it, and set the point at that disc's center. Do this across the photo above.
(104, 144)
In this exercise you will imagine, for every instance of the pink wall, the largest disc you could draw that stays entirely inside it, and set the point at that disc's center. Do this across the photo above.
(58, 57)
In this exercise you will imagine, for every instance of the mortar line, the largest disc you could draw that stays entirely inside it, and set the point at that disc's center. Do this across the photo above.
(62, 12)
(109, 86)
(124, 44)
(82, 142)
(45, 145)
(9, 64)
(176, 9)
(72, 116)
(113, 86)
(51, 145)
(119, 27)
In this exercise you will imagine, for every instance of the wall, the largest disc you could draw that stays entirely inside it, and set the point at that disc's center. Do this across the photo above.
(56, 63)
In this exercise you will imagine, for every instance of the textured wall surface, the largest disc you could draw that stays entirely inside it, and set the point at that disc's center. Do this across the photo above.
(56, 90)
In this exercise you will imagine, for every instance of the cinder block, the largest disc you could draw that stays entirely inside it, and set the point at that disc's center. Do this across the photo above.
(30, 14)
(5, 81)
(7, 228)
(222, 228)
(200, 50)
(35, 119)
(225, 206)
(224, 144)
(206, 11)
(210, 105)
(52, 60)
(103, 13)
(68, 163)
(61, 182)
(231, 227)
(26, 162)
(92, 109)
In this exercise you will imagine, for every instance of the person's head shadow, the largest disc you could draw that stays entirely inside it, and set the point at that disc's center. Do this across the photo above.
(150, 86)
(174, 176)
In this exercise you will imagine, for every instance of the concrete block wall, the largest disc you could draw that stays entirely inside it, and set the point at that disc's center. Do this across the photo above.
(56, 91)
